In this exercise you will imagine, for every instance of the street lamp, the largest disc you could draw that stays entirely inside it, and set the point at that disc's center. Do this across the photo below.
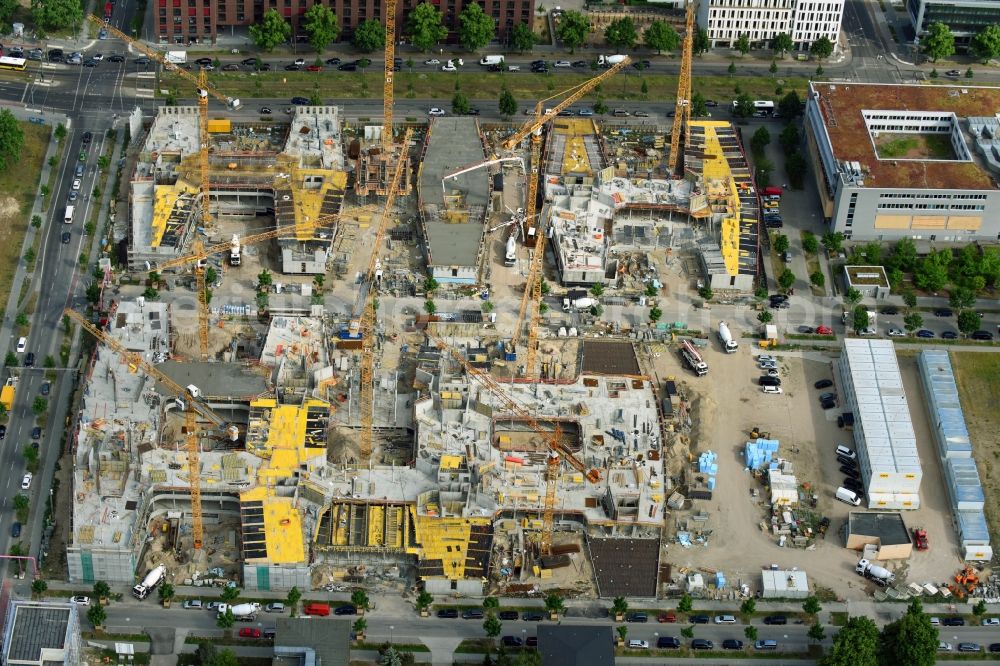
(391, 627)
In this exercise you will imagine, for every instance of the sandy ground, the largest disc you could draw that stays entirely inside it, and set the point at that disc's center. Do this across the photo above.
(731, 404)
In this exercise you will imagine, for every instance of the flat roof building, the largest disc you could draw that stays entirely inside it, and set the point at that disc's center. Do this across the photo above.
(804, 21)
(872, 388)
(886, 531)
(964, 18)
(41, 633)
(906, 161)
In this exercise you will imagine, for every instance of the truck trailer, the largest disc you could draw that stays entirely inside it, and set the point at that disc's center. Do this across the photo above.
(177, 57)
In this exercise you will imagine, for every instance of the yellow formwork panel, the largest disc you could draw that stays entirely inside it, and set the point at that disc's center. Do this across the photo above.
(445, 539)
(285, 445)
(164, 199)
(282, 526)
(451, 462)
(309, 200)
(341, 523)
(216, 125)
(376, 525)
(716, 167)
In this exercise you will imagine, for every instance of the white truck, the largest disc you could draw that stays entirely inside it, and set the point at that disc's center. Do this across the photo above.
(152, 579)
(875, 573)
(510, 251)
(609, 60)
(693, 358)
(570, 304)
(488, 60)
(234, 251)
(726, 338)
(240, 611)
(177, 57)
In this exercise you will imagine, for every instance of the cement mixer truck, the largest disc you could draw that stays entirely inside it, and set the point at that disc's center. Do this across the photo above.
(510, 252)
(875, 573)
(726, 338)
(240, 611)
(152, 579)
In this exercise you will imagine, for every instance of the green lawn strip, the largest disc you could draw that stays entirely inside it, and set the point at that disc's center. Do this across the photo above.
(475, 84)
(839, 618)
(400, 647)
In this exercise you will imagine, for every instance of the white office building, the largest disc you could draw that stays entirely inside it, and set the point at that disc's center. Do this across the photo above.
(804, 20)
(872, 388)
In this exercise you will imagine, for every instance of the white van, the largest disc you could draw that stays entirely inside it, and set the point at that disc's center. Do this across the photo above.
(725, 619)
(848, 497)
(636, 644)
(68, 215)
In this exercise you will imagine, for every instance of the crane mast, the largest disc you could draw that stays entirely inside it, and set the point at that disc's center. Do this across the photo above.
(390, 68)
(682, 110)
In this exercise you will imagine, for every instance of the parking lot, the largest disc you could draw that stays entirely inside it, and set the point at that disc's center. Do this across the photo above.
(728, 405)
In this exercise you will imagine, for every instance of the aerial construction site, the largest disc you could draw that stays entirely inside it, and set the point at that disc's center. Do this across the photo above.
(338, 351)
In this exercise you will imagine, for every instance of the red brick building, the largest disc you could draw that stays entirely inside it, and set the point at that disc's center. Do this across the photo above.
(182, 21)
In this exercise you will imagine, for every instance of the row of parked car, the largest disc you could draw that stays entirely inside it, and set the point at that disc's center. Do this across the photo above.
(672, 642)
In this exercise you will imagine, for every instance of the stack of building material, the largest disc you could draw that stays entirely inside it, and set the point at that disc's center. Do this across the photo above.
(965, 490)
(784, 487)
(707, 465)
(760, 452)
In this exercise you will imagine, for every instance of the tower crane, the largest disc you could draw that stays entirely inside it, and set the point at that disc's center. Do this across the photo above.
(193, 408)
(364, 322)
(532, 296)
(553, 439)
(390, 68)
(682, 111)
(204, 90)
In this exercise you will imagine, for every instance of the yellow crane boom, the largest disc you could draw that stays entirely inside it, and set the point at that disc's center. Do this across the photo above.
(552, 439)
(390, 68)
(366, 400)
(682, 110)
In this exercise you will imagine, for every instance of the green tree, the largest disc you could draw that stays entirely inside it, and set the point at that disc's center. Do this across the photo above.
(782, 44)
(38, 587)
(661, 36)
(699, 106)
(651, 289)
(622, 632)
(910, 640)
(655, 314)
(744, 106)
(912, 321)
(619, 606)
(390, 657)
(60, 132)
(822, 48)
(687, 632)
(934, 73)
(292, 599)
(508, 105)
(786, 279)
(621, 33)
(369, 36)
(833, 241)
(743, 44)
(765, 317)
(856, 644)
(904, 254)
(790, 106)
(969, 321)
(979, 610)
(491, 603)
(732, 67)
(36, 221)
(359, 599)
(968, 73)
(425, 25)
(597, 289)
(938, 42)
(359, 626)
(811, 606)
(759, 140)
(166, 592)
(810, 243)
(522, 38)
(229, 595)
(816, 632)
(931, 274)
(226, 620)
(11, 140)
(701, 43)
(554, 603)
(97, 615)
(7, 8)
(224, 657)
(961, 297)
(39, 406)
(102, 590)
(773, 69)
(861, 320)
(21, 319)
(685, 604)
(750, 632)
(21, 504)
(460, 103)
(817, 278)
(431, 285)
(322, 26)
(52, 15)
(492, 626)
(748, 607)
(600, 108)
(572, 29)
(264, 278)
(272, 30)
(781, 243)
(852, 296)
(476, 29)
(424, 600)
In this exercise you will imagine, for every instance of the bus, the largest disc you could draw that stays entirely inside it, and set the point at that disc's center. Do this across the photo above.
(12, 63)
(761, 107)
(68, 215)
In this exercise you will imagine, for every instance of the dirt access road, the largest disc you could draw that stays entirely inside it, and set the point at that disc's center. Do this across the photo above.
(728, 404)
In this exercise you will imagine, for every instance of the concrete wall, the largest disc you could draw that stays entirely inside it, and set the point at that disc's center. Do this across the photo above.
(454, 274)
(444, 586)
(263, 577)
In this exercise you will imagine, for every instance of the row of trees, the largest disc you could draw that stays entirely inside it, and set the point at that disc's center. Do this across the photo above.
(782, 43)
(939, 42)
(964, 273)
(424, 25)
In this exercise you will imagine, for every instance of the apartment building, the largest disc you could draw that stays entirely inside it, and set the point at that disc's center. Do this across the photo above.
(805, 20)
(188, 21)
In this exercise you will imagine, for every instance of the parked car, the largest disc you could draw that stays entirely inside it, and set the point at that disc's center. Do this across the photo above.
(852, 483)
(846, 451)
(36, 432)
(435, 111)
(806, 330)
(637, 644)
(768, 381)
(773, 390)
(702, 644)
(969, 647)
(669, 616)
(850, 471)
(532, 616)
(276, 607)
(15, 530)
(80, 599)
(26, 481)
(3, 431)
(300, 101)
(193, 604)
(889, 310)
(949, 335)
(893, 332)
(823, 383)
(990, 622)
(699, 619)
(954, 621)
(924, 333)
(637, 617)
(776, 619)
(981, 335)
(448, 613)
(562, 63)
(345, 610)
(824, 330)
(507, 615)
(732, 644)
(994, 647)
(511, 641)
(668, 642)
(944, 647)
(827, 396)
(250, 632)
(725, 619)
(472, 614)
(943, 312)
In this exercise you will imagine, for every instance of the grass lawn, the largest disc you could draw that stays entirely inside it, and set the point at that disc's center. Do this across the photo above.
(476, 84)
(18, 186)
(914, 146)
(978, 377)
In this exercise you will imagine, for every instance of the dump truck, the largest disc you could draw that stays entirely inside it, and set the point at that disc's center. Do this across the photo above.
(240, 611)
(152, 579)
(726, 338)
(875, 573)
(7, 394)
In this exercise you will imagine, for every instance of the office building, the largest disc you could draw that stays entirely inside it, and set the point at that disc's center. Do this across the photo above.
(760, 20)
(965, 18)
